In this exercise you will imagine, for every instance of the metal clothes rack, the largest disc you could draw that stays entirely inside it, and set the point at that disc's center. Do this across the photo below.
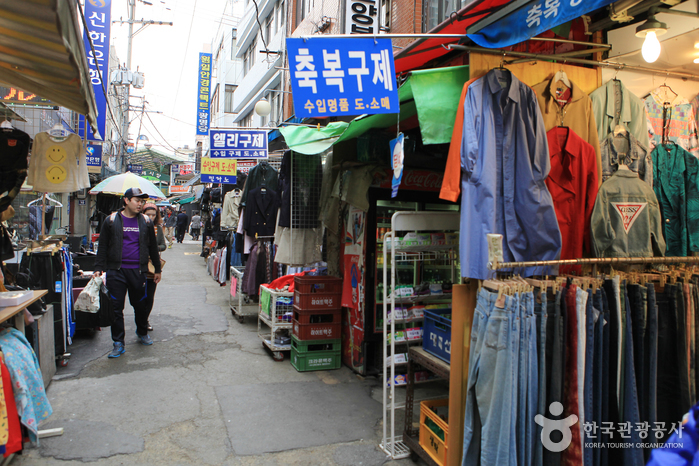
(495, 265)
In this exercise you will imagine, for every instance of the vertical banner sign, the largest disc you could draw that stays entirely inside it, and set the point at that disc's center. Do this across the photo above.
(361, 17)
(398, 157)
(204, 94)
(336, 77)
(98, 14)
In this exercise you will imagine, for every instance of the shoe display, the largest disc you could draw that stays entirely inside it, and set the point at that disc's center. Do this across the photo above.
(145, 339)
(117, 351)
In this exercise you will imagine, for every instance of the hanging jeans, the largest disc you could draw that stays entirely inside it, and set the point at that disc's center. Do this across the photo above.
(541, 310)
(633, 456)
(556, 350)
(489, 430)
(598, 377)
(592, 315)
(614, 456)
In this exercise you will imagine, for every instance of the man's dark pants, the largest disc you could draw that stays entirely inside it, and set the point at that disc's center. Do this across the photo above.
(133, 281)
(180, 233)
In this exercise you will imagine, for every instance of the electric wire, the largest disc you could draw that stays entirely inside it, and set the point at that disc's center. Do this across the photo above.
(257, 17)
(161, 136)
(184, 57)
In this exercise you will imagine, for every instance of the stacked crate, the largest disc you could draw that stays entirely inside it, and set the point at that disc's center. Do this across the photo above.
(317, 323)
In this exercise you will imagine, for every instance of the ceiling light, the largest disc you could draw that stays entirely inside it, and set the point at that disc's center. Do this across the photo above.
(696, 60)
(650, 30)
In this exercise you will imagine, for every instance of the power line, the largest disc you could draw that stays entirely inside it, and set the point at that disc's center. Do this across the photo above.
(161, 136)
(184, 57)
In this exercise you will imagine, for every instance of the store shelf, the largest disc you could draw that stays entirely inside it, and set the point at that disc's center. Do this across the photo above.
(420, 299)
(413, 443)
(402, 342)
(277, 325)
(426, 248)
(407, 321)
(430, 362)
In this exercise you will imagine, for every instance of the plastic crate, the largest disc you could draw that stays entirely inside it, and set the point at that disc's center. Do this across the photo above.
(316, 325)
(315, 360)
(430, 441)
(317, 301)
(324, 284)
(277, 306)
(436, 335)
(306, 346)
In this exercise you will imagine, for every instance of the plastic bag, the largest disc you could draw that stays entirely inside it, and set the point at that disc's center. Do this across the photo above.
(89, 298)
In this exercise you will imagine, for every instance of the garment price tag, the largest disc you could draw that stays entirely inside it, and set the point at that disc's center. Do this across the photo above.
(495, 248)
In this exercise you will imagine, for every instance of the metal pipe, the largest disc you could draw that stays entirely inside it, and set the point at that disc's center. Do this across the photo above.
(618, 66)
(599, 261)
(676, 12)
(576, 53)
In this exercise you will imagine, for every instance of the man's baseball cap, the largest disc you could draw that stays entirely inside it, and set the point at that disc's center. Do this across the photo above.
(135, 192)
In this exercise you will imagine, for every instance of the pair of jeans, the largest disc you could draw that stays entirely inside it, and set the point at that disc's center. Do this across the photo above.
(604, 376)
(556, 350)
(530, 380)
(652, 360)
(638, 309)
(131, 281)
(681, 345)
(591, 315)
(489, 430)
(597, 373)
(572, 454)
(541, 310)
(632, 456)
(612, 348)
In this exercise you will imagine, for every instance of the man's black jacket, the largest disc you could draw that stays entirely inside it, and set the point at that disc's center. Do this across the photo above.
(112, 241)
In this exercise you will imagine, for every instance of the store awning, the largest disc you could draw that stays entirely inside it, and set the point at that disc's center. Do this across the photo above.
(42, 52)
(432, 95)
(6, 113)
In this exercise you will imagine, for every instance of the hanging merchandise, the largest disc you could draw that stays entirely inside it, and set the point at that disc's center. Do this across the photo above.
(262, 173)
(620, 147)
(695, 108)
(231, 210)
(572, 182)
(671, 119)
(626, 219)
(613, 104)
(502, 181)
(261, 211)
(58, 165)
(35, 221)
(676, 185)
(568, 105)
(14, 150)
(243, 240)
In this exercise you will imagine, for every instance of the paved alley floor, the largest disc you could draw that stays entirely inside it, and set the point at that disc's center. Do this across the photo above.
(206, 393)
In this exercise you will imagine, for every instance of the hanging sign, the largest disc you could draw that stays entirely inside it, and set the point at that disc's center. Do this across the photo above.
(532, 19)
(244, 144)
(93, 158)
(203, 94)
(334, 77)
(218, 170)
(362, 17)
(98, 14)
(398, 158)
(134, 168)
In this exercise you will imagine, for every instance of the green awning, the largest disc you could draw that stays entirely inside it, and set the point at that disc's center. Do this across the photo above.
(431, 94)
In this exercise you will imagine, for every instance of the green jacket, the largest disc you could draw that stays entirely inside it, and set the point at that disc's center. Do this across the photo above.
(675, 177)
(626, 219)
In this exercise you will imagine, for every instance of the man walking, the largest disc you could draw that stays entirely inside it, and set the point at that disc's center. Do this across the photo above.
(127, 243)
(170, 223)
(182, 224)
(195, 227)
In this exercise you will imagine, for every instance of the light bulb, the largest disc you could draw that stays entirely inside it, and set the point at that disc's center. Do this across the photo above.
(651, 47)
(263, 108)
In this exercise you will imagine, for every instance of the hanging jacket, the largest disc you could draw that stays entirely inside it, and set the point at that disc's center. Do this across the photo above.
(262, 173)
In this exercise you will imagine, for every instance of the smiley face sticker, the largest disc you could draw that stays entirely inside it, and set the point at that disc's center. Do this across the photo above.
(56, 174)
(56, 154)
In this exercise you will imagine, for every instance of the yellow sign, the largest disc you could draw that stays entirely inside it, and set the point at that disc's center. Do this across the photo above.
(218, 170)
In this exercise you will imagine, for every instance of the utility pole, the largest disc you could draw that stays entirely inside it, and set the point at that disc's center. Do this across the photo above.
(144, 24)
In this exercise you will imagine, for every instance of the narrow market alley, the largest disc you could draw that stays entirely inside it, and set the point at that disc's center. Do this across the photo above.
(206, 393)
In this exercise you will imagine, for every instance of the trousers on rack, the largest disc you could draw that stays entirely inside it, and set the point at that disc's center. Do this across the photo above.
(541, 310)
(556, 350)
(632, 456)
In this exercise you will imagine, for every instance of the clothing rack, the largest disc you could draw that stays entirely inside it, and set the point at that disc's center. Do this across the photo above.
(495, 265)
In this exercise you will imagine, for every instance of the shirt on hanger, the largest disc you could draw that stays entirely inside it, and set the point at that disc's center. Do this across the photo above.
(229, 213)
(614, 104)
(504, 162)
(626, 219)
(577, 114)
(671, 121)
(57, 166)
(572, 182)
(625, 149)
(676, 175)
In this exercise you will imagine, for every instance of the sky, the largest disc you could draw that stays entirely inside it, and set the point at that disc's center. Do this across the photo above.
(168, 56)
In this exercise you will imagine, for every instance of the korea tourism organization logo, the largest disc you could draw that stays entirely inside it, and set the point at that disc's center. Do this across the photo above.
(606, 434)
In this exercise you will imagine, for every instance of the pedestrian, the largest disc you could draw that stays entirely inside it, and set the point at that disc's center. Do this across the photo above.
(182, 224)
(195, 226)
(127, 242)
(170, 223)
(150, 210)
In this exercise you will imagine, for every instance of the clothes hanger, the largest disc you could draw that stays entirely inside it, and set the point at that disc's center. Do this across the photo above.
(58, 131)
(6, 125)
(562, 77)
(45, 197)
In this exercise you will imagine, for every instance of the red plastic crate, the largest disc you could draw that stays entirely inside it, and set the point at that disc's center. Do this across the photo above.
(317, 301)
(317, 284)
(319, 325)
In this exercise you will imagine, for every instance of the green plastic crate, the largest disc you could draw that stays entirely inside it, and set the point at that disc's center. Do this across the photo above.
(312, 346)
(315, 360)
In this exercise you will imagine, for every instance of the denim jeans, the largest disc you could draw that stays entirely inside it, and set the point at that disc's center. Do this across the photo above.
(520, 374)
(638, 318)
(681, 345)
(597, 370)
(531, 378)
(572, 454)
(613, 344)
(606, 396)
(652, 352)
(590, 316)
(556, 326)
(541, 309)
(632, 456)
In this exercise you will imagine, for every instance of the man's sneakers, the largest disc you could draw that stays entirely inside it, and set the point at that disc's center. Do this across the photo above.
(144, 339)
(118, 350)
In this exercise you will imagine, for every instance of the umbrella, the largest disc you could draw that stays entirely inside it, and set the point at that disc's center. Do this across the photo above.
(118, 184)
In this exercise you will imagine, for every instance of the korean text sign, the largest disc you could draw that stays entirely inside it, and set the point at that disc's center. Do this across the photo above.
(203, 94)
(333, 77)
(241, 144)
(98, 14)
(218, 170)
(532, 19)
(93, 158)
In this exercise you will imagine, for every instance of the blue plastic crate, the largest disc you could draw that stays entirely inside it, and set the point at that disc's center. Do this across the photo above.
(437, 333)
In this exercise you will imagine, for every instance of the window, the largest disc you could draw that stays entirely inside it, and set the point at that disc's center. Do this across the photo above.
(280, 16)
(385, 22)
(228, 102)
(276, 101)
(246, 122)
(249, 57)
(268, 27)
(436, 11)
(214, 101)
(234, 43)
(300, 11)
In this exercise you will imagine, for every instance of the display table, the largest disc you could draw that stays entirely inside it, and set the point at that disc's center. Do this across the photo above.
(419, 357)
(9, 312)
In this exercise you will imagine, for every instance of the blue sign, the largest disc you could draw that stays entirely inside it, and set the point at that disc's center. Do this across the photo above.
(533, 19)
(135, 169)
(98, 14)
(398, 157)
(94, 156)
(334, 77)
(223, 179)
(239, 144)
(203, 94)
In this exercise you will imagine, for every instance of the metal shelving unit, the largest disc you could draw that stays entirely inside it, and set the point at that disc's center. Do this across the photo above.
(237, 303)
(392, 444)
(277, 319)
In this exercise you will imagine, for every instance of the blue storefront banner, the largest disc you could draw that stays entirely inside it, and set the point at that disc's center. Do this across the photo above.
(203, 94)
(533, 19)
(333, 77)
(94, 155)
(239, 144)
(98, 14)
